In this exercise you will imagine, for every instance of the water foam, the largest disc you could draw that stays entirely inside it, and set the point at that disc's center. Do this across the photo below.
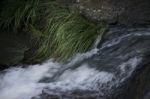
(22, 83)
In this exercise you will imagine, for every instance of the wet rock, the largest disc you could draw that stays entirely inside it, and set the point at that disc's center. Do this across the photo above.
(12, 48)
(138, 87)
(124, 12)
(122, 48)
(77, 94)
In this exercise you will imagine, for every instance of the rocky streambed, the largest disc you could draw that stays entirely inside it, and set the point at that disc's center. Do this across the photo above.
(116, 68)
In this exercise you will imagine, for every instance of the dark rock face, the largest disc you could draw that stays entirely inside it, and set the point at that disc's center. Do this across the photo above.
(125, 54)
(78, 94)
(139, 85)
(126, 12)
(12, 48)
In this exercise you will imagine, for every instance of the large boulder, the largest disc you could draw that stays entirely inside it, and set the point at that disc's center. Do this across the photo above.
(126, 12)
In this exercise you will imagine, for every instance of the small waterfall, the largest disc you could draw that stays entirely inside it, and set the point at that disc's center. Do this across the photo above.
(98, 70)
(23, 83)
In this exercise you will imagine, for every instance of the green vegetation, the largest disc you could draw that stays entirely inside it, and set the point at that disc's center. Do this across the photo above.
(60, 30)
(14, 13)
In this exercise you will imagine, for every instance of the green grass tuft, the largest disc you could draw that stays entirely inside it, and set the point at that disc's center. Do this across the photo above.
(61, 32)
(68, 33)
(15, 13)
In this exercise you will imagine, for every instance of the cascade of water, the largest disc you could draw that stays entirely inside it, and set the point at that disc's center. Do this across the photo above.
(23, 83)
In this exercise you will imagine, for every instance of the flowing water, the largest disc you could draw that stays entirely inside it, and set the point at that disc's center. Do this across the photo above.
(78, 74)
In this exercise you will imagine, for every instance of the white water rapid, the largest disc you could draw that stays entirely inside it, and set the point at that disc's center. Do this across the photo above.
(24, 83)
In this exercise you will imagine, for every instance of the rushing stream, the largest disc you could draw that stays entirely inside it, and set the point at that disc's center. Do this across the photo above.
(96, 73)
